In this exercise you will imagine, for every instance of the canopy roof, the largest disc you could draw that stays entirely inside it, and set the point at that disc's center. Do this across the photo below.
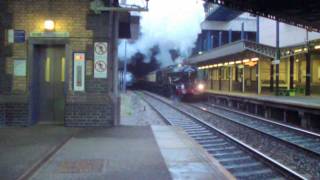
(302, 13)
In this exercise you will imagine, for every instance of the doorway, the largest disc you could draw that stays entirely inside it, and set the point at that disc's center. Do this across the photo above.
(48, 83)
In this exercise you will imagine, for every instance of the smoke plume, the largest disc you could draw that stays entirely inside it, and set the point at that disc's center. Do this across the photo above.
(169, 25)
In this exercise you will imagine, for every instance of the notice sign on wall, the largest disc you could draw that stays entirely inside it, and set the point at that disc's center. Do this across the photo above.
(78, 71)
(100, 59)
(19, 68)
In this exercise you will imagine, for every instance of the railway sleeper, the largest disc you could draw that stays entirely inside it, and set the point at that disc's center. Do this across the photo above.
(201, 135)
(210, 141)
(259, 174)
(221, 148)
(215, 144)
(229, 155)
(232, 159)
(196, 131)
(205, 138)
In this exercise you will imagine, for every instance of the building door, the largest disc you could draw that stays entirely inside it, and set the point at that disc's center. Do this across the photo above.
(50, 73)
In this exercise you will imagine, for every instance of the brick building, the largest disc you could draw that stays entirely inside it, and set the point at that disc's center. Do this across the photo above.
(51, 75)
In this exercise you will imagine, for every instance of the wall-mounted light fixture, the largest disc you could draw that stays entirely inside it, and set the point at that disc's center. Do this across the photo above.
(49, 25)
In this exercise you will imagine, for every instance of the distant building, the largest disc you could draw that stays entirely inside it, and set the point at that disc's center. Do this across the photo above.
(236, 52)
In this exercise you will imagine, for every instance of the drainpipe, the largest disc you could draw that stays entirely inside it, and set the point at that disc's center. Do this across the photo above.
(242, 31)
(258, 30)
(230, 35)
(220, 38)
(277, 59)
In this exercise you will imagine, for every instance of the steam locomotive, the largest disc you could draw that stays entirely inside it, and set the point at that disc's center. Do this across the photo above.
(179, 80)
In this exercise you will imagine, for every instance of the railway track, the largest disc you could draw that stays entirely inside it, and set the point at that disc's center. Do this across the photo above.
(291, 146)
(307, 141)
(241, 160)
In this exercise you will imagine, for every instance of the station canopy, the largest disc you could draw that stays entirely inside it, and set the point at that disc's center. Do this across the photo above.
(301, 13)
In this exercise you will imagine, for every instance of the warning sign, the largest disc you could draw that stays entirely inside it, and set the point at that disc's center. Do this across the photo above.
(100, 59)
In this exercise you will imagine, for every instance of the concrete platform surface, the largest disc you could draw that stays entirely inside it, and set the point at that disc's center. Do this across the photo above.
(21, 148)
(115, 153)
(185, 158)
(303, 101)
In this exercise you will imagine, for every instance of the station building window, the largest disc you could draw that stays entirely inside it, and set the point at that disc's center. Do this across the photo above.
(315, 74)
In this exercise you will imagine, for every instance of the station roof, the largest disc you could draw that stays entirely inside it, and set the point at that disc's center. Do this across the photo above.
(233, 51)
(248, 49)
(222, 13)
(301, 13)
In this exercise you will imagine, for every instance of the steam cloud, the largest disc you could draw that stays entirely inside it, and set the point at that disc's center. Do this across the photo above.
(169, 24)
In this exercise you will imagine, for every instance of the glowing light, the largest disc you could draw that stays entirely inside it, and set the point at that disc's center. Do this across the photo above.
(255, 59)
(220, 64)
(317, 47)
(246, 60)
(200, 87)
(238, 62)
(231, 62)
(49, 25)
(297, 50)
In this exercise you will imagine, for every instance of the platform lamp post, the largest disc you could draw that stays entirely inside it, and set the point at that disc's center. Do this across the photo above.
(125, 68)
(308, 66)
(277, 58)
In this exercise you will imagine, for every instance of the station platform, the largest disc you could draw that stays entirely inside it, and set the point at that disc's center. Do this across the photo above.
(299, 101)
(125, 152)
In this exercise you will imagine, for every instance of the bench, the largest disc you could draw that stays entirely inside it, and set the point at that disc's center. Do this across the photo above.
(286, 92)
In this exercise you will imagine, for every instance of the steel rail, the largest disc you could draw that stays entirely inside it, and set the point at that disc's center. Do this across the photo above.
(296, 145)
(287, 172)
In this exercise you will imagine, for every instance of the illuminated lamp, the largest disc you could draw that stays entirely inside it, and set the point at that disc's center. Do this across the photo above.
(231, 62)
(255, 59)
(238, 62)
(220, 64)
(251, 63)
(317, 47)
(297, 50)
(216, 65)
(49, 25)
(246, 60)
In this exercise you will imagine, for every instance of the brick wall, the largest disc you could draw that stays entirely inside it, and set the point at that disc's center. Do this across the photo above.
(69, 16)
(90, 108)
(88, 115)
(5, 80)
(17, 114)
(2, 115)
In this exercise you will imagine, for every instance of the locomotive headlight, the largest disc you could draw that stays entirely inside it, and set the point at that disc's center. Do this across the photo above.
(200, 87)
